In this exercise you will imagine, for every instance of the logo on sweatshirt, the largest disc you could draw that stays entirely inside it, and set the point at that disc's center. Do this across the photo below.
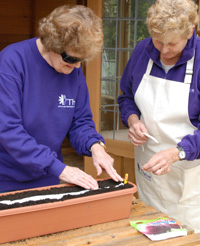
(65, 102)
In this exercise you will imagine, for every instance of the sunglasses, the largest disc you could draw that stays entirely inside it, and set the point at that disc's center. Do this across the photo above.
(70, 59)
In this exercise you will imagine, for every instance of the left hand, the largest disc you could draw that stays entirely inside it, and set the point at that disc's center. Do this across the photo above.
(102, 161)
(161, 162)
(136, 130)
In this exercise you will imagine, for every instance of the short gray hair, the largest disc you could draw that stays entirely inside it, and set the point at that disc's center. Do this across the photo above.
(176, 16)
(77, 29)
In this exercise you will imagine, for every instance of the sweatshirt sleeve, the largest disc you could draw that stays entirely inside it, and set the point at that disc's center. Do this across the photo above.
(127, 105)
(191, 142)
(14, 138)
(82, 133)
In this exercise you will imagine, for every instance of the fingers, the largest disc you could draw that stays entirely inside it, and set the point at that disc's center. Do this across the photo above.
(109, 169)
(137, 139)
(78, 177)
(157, 168)
(113, 174)
(88, 182)
(99, 170)
(160, 171)
(103, 161)
(137, 142)
(161, 162)
(135, 134)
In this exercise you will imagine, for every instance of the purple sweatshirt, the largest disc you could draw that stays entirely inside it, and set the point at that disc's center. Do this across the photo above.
(135, 70)
(39, 107)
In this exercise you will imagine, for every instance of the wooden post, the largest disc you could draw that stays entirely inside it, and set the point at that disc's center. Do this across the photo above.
(93, 78)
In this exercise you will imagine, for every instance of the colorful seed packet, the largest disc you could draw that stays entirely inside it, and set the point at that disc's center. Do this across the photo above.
(159, 229)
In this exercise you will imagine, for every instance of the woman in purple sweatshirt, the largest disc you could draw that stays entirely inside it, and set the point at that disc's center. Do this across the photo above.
(44, 98)
(161, 99)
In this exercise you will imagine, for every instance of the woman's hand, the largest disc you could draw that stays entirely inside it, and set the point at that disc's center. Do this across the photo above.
(136, 130)
(104, 162)
(161, 162)
(76, 176)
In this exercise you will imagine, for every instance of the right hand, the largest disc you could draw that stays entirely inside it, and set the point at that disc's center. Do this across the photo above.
(136, 130)
(78, 177)
(104, 162)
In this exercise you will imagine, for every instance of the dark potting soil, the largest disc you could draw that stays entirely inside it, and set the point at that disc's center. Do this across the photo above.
(102, 189)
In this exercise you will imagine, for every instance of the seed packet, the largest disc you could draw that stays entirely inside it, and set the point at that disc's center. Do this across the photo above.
(159, 229)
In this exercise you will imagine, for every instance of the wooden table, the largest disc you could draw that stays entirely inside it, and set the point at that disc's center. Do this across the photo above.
(116, 233)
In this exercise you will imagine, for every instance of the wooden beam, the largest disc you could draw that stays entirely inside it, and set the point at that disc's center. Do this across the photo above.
(93, 72)
(120, 148)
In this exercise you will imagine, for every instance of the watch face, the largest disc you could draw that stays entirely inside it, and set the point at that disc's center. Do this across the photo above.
(182, 154)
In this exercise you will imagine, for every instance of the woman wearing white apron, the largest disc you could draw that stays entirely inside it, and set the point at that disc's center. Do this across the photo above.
(161, 86)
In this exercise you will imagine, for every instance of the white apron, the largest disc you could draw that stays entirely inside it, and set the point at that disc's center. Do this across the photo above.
(164, 111)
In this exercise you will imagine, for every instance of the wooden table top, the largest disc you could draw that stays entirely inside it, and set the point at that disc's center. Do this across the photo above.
(115, 233)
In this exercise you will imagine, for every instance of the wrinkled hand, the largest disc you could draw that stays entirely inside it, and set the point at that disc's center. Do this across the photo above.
(136, 130)
(161, 162)
(104, 162)
(76, 176)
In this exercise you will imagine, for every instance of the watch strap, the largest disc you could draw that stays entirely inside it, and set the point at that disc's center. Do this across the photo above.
(181, 151)
(179, 148)
(99, 142)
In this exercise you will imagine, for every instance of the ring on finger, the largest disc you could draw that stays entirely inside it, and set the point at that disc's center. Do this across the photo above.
(161, 170)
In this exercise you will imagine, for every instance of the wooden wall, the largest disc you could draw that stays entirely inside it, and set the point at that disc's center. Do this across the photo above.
(19, 18)
(16, 21)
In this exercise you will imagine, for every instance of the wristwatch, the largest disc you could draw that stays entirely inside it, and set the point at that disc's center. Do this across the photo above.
(102, 144)
(99, 142)
(181, 154)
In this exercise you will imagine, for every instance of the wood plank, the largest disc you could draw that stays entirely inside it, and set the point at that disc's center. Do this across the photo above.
(19, 8)
(15, 25)
(13, 38)
(93, 72)
(89, 166)
(143, 241)
(103, 236)
(120, 148)
(129, 167)
(117, 163)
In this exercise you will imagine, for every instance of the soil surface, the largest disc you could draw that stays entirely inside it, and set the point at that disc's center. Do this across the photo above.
(102, 189)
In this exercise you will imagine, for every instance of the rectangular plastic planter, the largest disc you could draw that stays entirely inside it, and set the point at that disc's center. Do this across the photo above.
(37, 220)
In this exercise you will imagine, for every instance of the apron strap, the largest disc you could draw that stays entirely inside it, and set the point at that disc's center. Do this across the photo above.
(149, 66)
(189, 71)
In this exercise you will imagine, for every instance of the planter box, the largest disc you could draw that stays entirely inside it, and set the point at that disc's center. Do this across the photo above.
(31, 221)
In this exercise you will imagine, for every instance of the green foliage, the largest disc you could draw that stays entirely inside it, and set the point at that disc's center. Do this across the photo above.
(116, 16)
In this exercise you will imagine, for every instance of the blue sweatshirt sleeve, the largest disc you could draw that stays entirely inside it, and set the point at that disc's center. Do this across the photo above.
(126, 101)
(82, 133)
(191, 143)
(127, 105)
(21, 146)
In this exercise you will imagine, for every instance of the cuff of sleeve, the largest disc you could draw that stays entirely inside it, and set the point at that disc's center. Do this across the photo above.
(187, 153)
(91, 142)
(127, 116)
(56, 168)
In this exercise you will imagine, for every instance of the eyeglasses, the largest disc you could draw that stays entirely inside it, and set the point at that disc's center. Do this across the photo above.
(70, 59)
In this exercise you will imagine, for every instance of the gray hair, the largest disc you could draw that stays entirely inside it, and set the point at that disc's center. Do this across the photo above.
(176, 16)
(77, 29)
